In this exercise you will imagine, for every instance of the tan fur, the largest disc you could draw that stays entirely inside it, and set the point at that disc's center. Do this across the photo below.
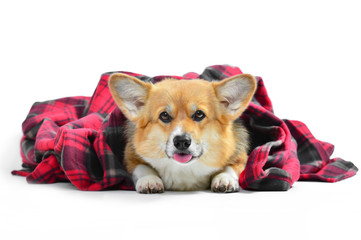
(225, 138)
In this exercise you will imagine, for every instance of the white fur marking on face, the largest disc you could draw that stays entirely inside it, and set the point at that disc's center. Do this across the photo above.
(177, 131)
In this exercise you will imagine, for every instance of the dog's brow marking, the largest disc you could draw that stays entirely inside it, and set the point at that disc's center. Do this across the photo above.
(168, 109)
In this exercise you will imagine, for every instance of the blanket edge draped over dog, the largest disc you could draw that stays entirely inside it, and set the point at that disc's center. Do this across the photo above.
(81, 140)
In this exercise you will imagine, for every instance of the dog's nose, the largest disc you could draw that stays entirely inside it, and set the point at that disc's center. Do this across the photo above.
(182, 142)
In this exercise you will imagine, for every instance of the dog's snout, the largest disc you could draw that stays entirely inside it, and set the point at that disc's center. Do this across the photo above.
(182, 142)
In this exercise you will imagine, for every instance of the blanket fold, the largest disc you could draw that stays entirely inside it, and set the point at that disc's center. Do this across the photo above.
(81, 140)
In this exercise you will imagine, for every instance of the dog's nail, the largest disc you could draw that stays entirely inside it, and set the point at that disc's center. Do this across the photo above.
(222, 188)
(230, 189)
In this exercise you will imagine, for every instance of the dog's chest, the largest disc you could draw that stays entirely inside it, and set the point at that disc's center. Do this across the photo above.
(193, 176)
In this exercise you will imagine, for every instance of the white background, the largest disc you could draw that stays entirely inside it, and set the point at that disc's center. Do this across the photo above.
(308, 54)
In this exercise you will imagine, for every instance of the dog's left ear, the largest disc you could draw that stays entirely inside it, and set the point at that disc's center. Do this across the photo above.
(129, 93)
(235, 93)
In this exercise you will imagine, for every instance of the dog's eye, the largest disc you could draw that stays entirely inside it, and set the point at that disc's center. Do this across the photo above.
(198, 116)
(165, 117)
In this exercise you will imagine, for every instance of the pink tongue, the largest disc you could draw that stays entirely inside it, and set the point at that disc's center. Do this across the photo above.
(182, 158)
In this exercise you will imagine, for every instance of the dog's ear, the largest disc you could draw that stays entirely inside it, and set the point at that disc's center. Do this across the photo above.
(235, 93)
(129, 93)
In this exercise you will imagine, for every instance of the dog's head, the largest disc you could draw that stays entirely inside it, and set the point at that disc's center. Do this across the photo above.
(183, 120)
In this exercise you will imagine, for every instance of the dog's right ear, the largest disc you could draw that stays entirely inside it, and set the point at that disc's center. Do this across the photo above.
(129, 93)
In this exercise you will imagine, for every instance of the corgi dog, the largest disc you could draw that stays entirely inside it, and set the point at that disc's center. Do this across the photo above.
(184, 135)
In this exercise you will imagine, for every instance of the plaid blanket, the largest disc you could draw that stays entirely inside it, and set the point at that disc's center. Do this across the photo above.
(81, 140)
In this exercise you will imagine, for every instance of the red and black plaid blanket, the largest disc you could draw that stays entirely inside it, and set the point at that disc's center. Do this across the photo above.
(81, 140)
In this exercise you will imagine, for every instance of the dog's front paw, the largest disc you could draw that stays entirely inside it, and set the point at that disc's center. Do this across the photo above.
(225, 183)
(149, 184)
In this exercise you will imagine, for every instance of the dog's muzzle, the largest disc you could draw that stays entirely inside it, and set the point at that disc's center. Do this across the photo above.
(182, 148)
